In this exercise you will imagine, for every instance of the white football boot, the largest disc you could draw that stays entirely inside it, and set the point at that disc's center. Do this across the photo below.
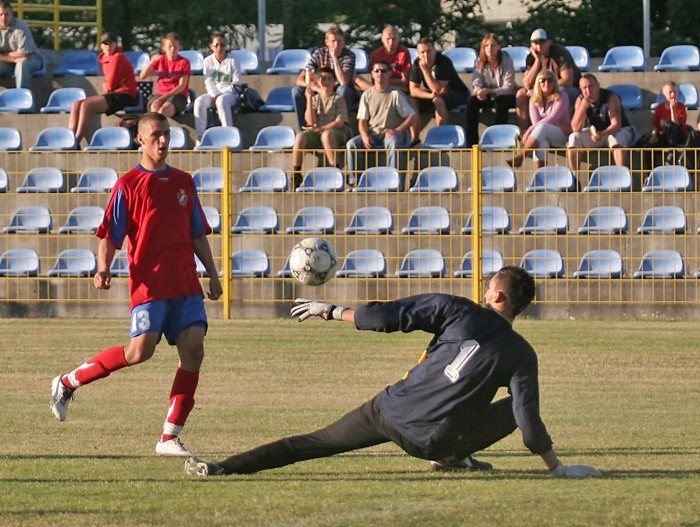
(173, 448)
(60, 397)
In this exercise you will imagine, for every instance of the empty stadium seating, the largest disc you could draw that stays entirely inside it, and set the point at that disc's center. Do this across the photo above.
(16, 100)
(624, 58)
(679, 58)
(552, 178)
(247, 60)
(83, 220)
(494, 220)
(289, 61)
(251, 263)
(322, 179)
(446, 136)
(111, 138)
(19, 262)
(279, 100)
(491, 262)
(542, 220)
(276, 137)
(43, 179)
(266, 179)
(261, 219)
(497, 179)
(96, 179)
(606, 219)
(422, 263)
(462, 58)
(74, 263)
(79, 63)
(61, 100)
(436, 179)
(218, 137)
(313, 220)
(428, 220)
(35, 219)
(609, 178)
(208, 179)
(499, 137)
(55, 138)
(661, 264)
(603, 263)
(363, 263)
(379, 179)
(543, 263)
(667, 219)
(371, 220)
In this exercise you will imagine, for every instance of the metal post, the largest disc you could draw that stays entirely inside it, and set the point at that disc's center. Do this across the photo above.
(262, 22)
(646, 28)
(226, 281)
(477, 282)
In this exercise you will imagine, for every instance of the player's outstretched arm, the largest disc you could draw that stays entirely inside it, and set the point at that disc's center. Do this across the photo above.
(305, 308)
(557, 469)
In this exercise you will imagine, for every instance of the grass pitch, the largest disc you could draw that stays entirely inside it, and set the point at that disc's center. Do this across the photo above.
(623, 396)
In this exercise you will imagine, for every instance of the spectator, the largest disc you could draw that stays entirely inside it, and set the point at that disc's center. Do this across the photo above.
(599, 120)
(326, 122)
(544, 54)
(435, 85)
(549, 113)
(221, 75)
(336, 56)
(119, 88)
(384, 119)
(398, 57)
(669, 122)
(19, 55)
(173, 72)
(493, 85)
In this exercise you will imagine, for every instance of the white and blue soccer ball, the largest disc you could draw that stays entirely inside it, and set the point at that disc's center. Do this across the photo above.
(313, 261)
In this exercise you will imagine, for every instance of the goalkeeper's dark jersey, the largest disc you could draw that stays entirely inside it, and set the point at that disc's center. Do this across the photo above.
(473, 352)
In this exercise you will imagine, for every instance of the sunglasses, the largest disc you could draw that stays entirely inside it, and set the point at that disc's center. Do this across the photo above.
(219, 44)
(326, 78)
(379, 70)
(546, 79)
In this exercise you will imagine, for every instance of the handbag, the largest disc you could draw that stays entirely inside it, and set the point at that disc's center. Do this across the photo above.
(249, 100)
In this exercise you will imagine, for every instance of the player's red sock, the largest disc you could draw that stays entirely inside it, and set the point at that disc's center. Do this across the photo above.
(98, 367)
(181, 402)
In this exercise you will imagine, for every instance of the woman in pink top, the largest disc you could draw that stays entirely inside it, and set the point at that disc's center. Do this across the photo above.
(549, 114)
(173, 71)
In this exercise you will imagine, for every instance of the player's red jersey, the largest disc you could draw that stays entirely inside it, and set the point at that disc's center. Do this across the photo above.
(160, 214)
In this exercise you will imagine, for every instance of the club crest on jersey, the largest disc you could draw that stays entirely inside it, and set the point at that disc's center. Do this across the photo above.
(182, 197)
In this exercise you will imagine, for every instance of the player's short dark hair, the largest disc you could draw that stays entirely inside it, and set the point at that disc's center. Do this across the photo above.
(151, 117)
(518, 286)
(384, 63)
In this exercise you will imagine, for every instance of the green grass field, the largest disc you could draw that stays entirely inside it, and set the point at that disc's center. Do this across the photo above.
(622, 395)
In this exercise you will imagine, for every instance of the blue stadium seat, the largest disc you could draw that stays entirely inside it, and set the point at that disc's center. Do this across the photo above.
(679, 58)
(552, 178)
(213, 218)
(218, 137)
(279, 100)
(687, 94)
(518, 55)
(624, 58)
(581, 56)
(247, 60)
(499, 137)
(463, 59)
(290, 61)
(414, 54)
(361, 60)
(278, 137)
(609, 178)
(42, 179)
(371, 220)
(16, 100)
(178, 138)
(322, 179)
(139, 60)
(497, 179)
(602, 263)
(363, 263)
(436, 179)
(422, 263)
(208, 179)
(250, 263)
(55, 138)
(29, 220)
(379, 179)
(668, 178)
(428, 220)
(74, 263)
(285, 272)
(111, 138)
(79, 63)
(491, 263)
(96, 179)
(543, 263)
(120, 265)
(266, 179)
(196, 59)
(494, 220)
(4, 182)
(630, 95)
(545, 220)
(664, 219)
(83, 220)
(661, 264)
(19, 262)
(446, 136)
(10, 139)
(313, 220)
(259, 219)
(606, 219)
(199, 267)
(61, 100)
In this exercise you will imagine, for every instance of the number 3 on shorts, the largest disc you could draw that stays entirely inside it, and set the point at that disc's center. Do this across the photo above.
(140, 321)
(466, 352)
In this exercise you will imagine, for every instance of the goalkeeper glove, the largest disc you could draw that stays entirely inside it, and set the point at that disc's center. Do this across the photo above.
(574, 471)
(305, 308)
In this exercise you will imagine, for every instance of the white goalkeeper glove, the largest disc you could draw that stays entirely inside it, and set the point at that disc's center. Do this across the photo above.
(574, 471)
(305, 308)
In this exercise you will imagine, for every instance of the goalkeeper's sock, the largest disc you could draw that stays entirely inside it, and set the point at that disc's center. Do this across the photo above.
(181, 402)
(98, 367)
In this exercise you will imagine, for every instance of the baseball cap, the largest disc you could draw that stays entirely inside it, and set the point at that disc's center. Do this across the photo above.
(108, 36)
(538, 34)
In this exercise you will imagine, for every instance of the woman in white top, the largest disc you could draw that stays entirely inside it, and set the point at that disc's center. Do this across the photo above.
(493, 85)
(221, 75)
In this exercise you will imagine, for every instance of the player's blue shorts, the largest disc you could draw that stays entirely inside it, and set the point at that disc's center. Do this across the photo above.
(168, 317)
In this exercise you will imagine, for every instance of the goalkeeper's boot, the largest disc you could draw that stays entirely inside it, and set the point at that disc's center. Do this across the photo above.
(468, 464)
(172, 448)
(196, 467)
(60, 397)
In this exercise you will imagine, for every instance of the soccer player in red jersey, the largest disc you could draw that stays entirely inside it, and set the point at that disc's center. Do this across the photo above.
(156, 207)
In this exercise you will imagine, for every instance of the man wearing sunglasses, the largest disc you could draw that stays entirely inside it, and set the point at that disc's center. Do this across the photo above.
(384, 119)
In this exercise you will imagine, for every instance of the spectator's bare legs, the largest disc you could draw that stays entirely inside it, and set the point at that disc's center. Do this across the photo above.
(82, 112)
(298, 149)
(163, 107)
(619, 156)
(522, 102)
(441, 113)
(573, 159)
(329, 146)
(416, 126)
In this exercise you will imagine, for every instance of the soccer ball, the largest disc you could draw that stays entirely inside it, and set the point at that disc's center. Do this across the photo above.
(313, 261)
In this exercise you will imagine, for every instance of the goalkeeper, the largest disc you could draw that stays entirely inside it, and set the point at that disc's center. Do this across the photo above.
(443, 410)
